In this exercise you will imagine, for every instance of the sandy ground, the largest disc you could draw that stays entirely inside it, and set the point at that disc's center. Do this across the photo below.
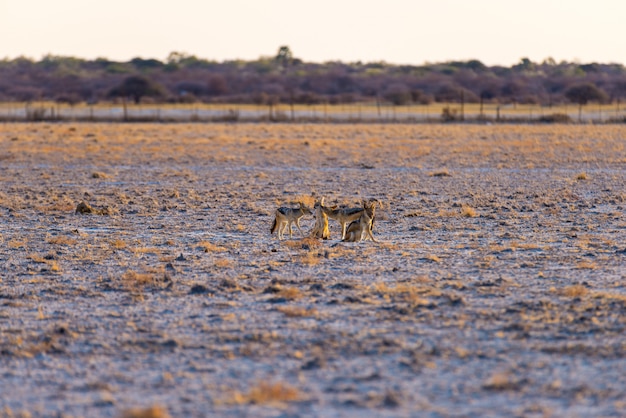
(497, 287)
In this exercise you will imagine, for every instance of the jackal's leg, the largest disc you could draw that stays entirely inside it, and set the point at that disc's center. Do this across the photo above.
(343, 230)
(282, 228)
(299, 229)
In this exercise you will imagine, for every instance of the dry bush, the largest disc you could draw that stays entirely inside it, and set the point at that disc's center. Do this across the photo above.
(581, 176)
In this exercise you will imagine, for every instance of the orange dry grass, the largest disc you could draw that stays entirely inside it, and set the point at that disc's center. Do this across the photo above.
(268, 393)
(297, 311)
(61, 240)
(291, 293)
(209, 247)
(223, 263)
(412, 294)
(17, 243)
(151, 412)
(132, 279)
(468, 212)
(574, 291)
(118, 244)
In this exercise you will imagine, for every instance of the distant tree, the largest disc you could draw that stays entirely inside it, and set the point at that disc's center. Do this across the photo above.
(136, 87)
(146, 64)
(397, 93)
(284, 57)
(524, 65)
(584, 93)
(618, 92)
(216, 85)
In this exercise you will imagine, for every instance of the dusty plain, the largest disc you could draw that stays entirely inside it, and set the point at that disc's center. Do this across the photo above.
(497, 287)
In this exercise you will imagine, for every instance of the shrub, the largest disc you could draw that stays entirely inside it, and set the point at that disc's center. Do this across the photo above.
(555, 118)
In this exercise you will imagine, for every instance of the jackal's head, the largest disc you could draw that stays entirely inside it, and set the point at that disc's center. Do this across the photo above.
(370, 206)
(305, 209)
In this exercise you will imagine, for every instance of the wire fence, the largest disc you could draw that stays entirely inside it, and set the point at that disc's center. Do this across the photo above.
(367, 112)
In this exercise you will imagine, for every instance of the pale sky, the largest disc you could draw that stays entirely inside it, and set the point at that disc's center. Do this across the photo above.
(496, 32)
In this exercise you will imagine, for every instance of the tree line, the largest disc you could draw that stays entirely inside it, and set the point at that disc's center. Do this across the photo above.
(283, 78)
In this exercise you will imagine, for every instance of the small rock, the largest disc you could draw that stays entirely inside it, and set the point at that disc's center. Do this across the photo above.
(198, 289)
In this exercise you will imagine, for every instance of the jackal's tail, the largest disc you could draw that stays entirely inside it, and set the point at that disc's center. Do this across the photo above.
(274, 225)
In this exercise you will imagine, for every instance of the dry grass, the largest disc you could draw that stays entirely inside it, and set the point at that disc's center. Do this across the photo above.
(574, 291)
(14, 243)
(265, 393)
(62, 240)
(409, 293)
(609, 296)
(50, 261)
(209, 247)
(290, 293)
(223, 263)
(155, 411)
(441, 173)
(297, 311)
(468, 212)
(99, 175)
(117, 244)
(133, 280)
(501, 381)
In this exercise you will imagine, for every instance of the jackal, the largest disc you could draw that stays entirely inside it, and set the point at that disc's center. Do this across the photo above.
(361, 228)
(286, 217)
(347, 215)
(320, 230)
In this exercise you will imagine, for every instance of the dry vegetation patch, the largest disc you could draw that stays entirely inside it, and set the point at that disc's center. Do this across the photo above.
(268, 393)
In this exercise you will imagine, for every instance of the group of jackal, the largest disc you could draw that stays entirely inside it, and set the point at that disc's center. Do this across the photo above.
(356, 222)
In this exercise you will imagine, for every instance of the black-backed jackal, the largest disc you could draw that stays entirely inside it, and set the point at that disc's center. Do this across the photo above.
(286, 217)
(361, 228)
(320, 230)
(347, 215)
